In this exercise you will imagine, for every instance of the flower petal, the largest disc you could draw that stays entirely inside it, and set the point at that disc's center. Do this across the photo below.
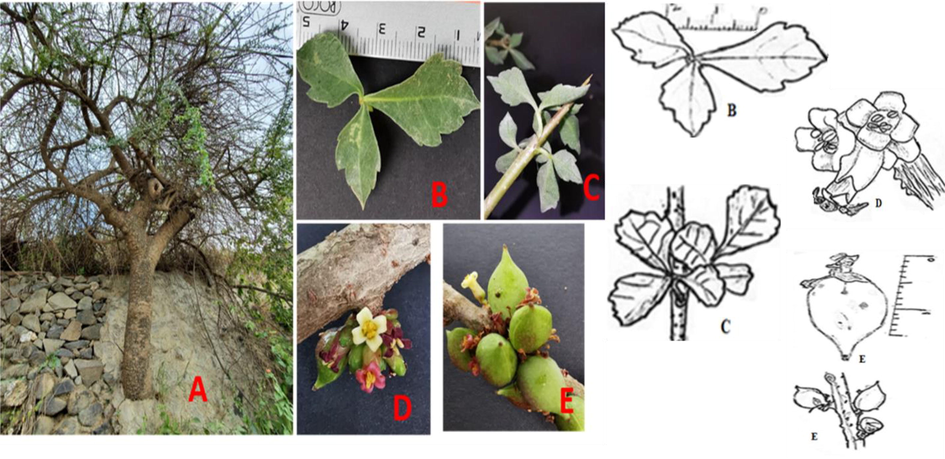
(375, 342)
(826, 162)
(890, 101)
(806, 139)
(906, 151)
(861, 166)
(906, 128)
(822, 119)
(381, 322)
(872, 139)
(381, 381)
(357, 336)
(364, 315)
(859, 112)
(889, 159)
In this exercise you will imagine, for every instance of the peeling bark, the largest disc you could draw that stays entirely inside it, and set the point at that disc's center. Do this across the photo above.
(354, 268)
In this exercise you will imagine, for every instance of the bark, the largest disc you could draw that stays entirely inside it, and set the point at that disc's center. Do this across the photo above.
(678, 294)
(136, 360)
(354, 268)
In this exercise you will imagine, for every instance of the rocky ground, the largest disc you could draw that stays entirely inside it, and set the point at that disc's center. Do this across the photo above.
(53, 379)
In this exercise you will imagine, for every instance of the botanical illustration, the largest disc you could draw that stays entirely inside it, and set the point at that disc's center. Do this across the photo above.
(850, 410)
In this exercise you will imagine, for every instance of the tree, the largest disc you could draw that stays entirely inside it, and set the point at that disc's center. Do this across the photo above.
(149, 126)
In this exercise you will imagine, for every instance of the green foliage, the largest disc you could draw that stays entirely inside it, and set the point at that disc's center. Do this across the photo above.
(500, 45)
(195, 141)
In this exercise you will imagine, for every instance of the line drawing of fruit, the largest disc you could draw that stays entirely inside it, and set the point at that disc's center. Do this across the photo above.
(845, 306)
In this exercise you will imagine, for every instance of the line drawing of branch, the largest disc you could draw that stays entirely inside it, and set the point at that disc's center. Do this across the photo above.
(849, 409)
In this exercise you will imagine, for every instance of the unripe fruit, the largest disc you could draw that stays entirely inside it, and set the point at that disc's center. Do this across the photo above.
(846, 312)
(355, 357)
(530, 328)
(497, 360)
(514, 395)
(575, 420)
(540, 381)
(396, 364)
(454, 347)
(507, 286)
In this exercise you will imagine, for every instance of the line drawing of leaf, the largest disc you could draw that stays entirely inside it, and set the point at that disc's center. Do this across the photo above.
(751, 219)
(652, 39)
(648, 237)
(358, 154)
(635, 295)
(694, 245)
(689, 96)
(789, 49)
(705, 283)
(736, 277)
(547, 187)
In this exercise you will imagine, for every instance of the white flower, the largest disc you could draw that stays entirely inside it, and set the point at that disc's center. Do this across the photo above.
(369, 329)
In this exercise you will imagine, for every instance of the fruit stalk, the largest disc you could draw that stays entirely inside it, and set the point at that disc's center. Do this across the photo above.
(843, 406)
(678, 294)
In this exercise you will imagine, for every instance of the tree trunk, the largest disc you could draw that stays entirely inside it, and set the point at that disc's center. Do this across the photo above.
(136, 361)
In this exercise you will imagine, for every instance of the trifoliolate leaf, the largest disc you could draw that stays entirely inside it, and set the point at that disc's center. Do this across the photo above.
(520, 60)
(508, 130)
(736, 277)
(570, 130)
(358, 155)
(652, 39)
(431, 103)
(495, 56)
(694, 245)
(752, 219)
(560, 95)
(634, 296)
(688, 95)
(648, 236)
(325, 66)
(511, 86)
(491, 27)
(566, 167)
(547, 187)
(515, 39)
(502, 164)
(778, 55)
(705, 283)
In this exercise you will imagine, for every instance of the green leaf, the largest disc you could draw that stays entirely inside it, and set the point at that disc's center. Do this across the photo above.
(491, 27)
(511, 85)
(561, 94)
(502, 164)
(547, 187)
(634, 296)
(566, 167)
(430, 103)
(325, 66)
(515, 39)
(752, 219)
(520, 60)
(570, 130)
(495, 56)
(508, 130)
(705, 283)
(358, 155)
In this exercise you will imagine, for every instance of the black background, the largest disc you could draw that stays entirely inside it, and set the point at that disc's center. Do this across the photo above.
(565, 42)
(552, 257)
(342, 407)
(403, 188)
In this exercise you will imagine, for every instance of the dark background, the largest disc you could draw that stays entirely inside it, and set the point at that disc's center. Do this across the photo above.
(552, 257)
(565, 42)
(342, 407)
(404, 184)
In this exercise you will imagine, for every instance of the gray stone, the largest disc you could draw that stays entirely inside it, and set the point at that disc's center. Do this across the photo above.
(26, 336)
(65, 386)
(16, 319)
(86, 317)
(47, 317)
(71, 370)
(31, 323)
(44, 425)
(78, 279)
(72, 332)
(65, 282)
(61, 301)
(14, 392)
(85, 353)
(85, 303)
(90, 370)
(64, 355)
(53, 406)
(100, 294)
(79, 400)
(69, 314)
(77, 344)
(35, 302)
(68, 426)
(43, 385)
(10, 306)
(52, 345)
(55, 331)
(93, 332)
(82, 286)
(77, 296)
(91, 415)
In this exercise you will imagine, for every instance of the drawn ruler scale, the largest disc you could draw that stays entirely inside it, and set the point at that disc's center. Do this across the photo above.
(918, 293)
(408, 31)
(717, 18)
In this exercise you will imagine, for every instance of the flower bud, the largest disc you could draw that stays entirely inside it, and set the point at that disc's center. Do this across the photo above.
(870, 398)
(809, 397)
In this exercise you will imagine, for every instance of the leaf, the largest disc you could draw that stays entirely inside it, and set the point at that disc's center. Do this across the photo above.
(560, 95)
(570, 130)
(870, 398)
(494, 56)
(736, 277)
(547, 187)
(648, 237)
(688, 95)
(511, 85)
(515, 39)
(430, 103)
(752, 219)
(325, 66)
(520, 60)
(508, 130)
(502, 164)
(491, 27)
(694, 245)
(358, 155)
(634, 296)
(652, 39)
(705, 283)
(777, 55)
(566, 167)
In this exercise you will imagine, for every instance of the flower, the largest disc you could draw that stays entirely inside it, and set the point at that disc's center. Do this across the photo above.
(369, 329)
(370, 377)
(394, 340)
(828, 143)
(883, 125)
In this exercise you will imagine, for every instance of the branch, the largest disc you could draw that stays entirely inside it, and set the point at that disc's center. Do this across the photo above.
(282, 297)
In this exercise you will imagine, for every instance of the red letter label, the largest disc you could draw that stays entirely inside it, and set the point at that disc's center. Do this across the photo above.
(565, 399)
(397, 400)
(587, 190)
(198, 390)
(439, 194)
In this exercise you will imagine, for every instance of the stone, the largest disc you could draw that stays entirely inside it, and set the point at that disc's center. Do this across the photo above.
(47, 317)
(99, 294)
(76, 344)
(86, 317)
(78, 279)
(71, 369)
(53, 406)
(35, 302)
(89, 370)
(76, 296)
(52, 345)
(14, 393)
(72, 332)
(43, 385)
(68, 426)
(26, 336)
(69, 314)
(79, 400)
(93, 286)
(61, 301)
(85, 303)
(31, 323)
(55, 332)
(10, 306)
(16, 319)
(93, 332)
(66, 386)
(65, 282)
(44, 425)
(104, 429)
(82, 286)
(64, 355)
(86, 353)
(91, 415)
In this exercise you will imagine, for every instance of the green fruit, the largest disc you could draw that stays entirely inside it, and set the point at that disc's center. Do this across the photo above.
(530, 328)
(575, 420)
(397, 364)
(497, 359)
(454, 347)
(514, 395)
(355, 357)
(507, 286)
(540, 381)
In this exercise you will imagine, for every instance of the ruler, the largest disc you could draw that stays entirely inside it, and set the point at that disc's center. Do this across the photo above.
(408, 31)
(920, 287)
(729, 18)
